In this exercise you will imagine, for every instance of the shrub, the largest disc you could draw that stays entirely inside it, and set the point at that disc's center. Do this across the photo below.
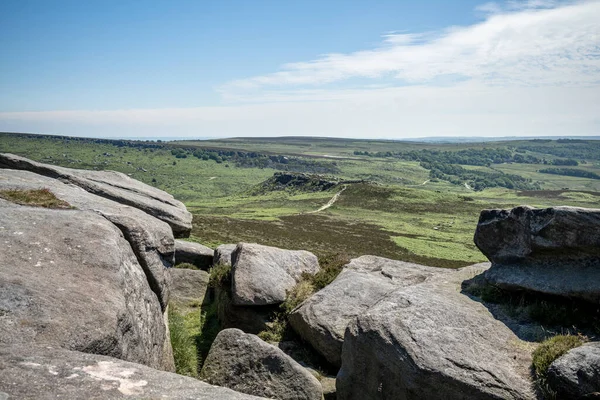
(297, 295)
(220, 276)
(331, 266)
(37, 198)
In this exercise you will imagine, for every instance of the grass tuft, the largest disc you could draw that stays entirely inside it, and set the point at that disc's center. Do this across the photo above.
(34, 197)
(548, 351)
(186, 266)
(183, 343)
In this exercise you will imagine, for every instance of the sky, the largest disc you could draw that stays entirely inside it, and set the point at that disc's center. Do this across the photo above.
(339, 68)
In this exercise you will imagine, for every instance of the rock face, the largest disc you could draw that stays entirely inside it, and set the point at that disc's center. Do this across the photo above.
(151, 239)
(322, 319)
(193, 253)
(223, 254)
(250, 319)
(576, 373)
(553, 251)
(428, 341)
(261, 275)
(245, 363)
(189, 286)
(114, 186)
(68, 278)
(40, 373)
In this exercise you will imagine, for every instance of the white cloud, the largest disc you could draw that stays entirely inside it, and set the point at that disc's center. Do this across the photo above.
(527, 43)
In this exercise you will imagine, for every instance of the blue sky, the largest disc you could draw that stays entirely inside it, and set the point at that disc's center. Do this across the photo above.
(386, 68)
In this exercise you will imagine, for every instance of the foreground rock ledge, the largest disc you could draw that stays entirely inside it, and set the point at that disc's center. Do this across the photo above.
(322, 319)
(114, 186)
(40, 373)
(553, 250)
(429, 341)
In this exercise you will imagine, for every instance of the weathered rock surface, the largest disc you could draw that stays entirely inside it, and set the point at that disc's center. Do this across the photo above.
(151, 239)
(553, 251)
(39, 373)
(188, 286)
(114, 186)
(428, 341)
(247, 364)
(322, 319)
(262, 275)
(193, 253)
(68, 278)
(223, 254)
(250, 319)
(576, 373)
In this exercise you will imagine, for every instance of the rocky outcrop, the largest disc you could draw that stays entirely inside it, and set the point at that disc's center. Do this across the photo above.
(40, 373)
(322, 319)
(223, 254)
(553, 250)
(429, 341)
(69, 278)
(576, 373)
(247, 364)
(193, 253)
(189, 286)
(114, 186)
(250, 319)
(262, 275)
(151, 239)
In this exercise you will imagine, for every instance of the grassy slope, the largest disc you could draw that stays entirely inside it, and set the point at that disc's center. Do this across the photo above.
(403, 217)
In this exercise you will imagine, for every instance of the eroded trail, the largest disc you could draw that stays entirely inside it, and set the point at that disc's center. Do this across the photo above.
(330, 202)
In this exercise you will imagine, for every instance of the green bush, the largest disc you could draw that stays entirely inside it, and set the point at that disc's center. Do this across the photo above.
(220, 276)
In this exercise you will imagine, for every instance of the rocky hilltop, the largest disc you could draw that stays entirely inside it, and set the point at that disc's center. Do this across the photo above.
(86, 284)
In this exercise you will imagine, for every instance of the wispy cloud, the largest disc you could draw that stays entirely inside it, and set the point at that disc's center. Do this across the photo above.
(519, 43)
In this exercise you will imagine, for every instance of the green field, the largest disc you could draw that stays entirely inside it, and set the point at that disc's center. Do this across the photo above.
(399, 211)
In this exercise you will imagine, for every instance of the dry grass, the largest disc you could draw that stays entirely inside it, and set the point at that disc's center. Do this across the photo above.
(34, 197)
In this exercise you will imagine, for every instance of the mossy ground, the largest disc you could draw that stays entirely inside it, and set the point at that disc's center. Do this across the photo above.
(35, 198)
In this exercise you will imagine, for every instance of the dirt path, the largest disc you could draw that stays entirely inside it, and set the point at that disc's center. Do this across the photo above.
(330, 202)
(467, 186)
(424, 182)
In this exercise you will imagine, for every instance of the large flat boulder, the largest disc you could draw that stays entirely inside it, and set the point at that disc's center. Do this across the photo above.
(114, 186)
(40, 373)
(552, 251)
(429, 341)
(150, 238)
(322, 319)
(576, 373)
(245, 363)
(70, 279)
(193, 253)
(262, 275)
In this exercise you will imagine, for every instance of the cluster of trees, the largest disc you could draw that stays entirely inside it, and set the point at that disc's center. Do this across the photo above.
(478, 180)
(480, 157)
(566, 148)
(570, 172)
(258, 160)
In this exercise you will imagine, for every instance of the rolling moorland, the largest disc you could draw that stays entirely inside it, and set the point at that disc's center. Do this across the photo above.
(411, 201)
